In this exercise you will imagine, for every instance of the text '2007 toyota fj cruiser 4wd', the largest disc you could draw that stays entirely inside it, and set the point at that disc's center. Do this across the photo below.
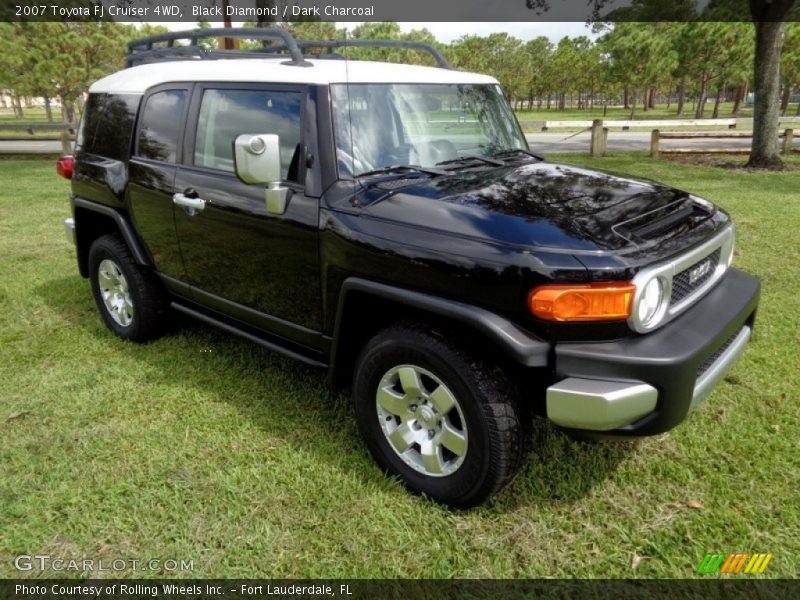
(388, 223)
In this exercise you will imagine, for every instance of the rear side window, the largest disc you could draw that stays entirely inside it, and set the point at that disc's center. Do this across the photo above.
(160, 125)
(107, 124)
(225, 114)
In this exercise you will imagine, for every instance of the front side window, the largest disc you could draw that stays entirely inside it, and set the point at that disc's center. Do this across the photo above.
(381, 125)
(225, 114)
(161, 125)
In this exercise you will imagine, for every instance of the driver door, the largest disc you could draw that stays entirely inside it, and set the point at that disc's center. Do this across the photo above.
(254, 266)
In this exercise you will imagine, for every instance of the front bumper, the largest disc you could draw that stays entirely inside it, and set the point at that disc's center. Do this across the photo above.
(648, 384)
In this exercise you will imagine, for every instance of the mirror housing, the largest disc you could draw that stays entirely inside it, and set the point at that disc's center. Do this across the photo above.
(257, 159)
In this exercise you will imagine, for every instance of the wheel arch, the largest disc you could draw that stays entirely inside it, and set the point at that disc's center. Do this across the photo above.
(93, 220)
(365, 307)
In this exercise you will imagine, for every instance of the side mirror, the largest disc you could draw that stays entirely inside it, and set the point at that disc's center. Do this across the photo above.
(257, 159)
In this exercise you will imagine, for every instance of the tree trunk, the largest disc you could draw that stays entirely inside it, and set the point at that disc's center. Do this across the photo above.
(633, 105)
(48, 109)
(681, 96)
(625, 98)
(67, 111)
(651, 101)
(699, 113)
(769, 43)
(18, 109)
(717, 100)
(644, 99)
(264, 19)
(798, 110)
(740, 94)
(787, 92)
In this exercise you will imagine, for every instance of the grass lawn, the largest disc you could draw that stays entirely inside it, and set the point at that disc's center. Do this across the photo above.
(204, 447)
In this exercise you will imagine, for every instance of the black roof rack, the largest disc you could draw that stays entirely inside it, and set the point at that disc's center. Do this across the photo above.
(162, 47)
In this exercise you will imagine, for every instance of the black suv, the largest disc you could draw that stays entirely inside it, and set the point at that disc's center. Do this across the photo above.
(389, 224)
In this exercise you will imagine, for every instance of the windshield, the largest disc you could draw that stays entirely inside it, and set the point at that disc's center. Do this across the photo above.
(379, 125)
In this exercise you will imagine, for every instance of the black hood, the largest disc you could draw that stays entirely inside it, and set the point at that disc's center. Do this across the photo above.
(546, 205)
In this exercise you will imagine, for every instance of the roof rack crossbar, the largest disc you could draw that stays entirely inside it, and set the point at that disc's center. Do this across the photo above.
(330, 45)
(143, 50)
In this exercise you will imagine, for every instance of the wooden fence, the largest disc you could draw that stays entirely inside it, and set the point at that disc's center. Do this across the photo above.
(656, 150)
(66, 133)
(626, 124)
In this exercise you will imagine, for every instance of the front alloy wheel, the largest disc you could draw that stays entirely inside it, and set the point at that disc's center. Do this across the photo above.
(422, 420)
(443, 419)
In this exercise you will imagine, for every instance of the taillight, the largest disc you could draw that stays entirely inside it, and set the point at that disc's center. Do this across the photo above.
(589, 302)
(64, 166)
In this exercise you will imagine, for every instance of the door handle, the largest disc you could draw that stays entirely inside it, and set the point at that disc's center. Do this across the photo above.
(193, 203)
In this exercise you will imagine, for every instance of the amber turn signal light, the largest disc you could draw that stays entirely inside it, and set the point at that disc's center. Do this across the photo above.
(606, 301)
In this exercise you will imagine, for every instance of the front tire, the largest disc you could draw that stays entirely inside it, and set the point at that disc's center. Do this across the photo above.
(443, 420)
(129, 297)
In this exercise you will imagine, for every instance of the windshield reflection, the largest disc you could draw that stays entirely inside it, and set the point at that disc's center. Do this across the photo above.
(384, 125)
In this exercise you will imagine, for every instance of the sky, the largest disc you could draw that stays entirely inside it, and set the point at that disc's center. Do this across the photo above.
(447, 32)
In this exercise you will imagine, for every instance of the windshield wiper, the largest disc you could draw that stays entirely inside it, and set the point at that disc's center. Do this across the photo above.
(472, 158)
(404, 168)
(517, 151)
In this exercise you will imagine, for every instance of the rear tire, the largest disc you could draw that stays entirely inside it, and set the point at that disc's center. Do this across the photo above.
(129, 297)
(443, 420)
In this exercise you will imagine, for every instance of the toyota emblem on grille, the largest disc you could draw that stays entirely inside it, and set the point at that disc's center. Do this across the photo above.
(699, 272)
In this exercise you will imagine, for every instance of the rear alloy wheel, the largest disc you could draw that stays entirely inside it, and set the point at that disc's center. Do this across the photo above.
(129, 296)
(114, 291)
(444, 421)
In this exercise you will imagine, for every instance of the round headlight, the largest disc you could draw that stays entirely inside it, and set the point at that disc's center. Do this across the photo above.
(650, 301)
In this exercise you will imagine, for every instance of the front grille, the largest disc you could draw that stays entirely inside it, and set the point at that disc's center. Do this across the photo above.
(682, 284)
(714, 357)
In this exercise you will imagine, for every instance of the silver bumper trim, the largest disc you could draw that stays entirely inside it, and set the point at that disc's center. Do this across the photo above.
(712, 376)
(69, 230)
(599, 405)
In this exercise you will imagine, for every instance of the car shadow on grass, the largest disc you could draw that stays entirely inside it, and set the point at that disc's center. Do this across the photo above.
(558, 469)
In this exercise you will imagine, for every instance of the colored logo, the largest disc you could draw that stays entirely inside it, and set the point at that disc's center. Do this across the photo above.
(734, 563)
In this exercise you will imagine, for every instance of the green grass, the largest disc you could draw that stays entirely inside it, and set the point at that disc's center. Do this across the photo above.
(201, 446)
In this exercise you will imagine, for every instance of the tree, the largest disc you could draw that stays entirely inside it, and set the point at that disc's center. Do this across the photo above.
(639, 55)
(790, 61)
(768, 16)
(537, 80)
(63, 59)
(717, 53)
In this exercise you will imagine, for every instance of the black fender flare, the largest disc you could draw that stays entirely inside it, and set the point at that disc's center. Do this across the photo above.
(137, 248)
(519, 345)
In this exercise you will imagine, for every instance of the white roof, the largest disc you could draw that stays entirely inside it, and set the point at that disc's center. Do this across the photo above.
(137, 80)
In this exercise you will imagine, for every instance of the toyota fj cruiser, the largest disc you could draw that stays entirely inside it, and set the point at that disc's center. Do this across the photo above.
(388, 223)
